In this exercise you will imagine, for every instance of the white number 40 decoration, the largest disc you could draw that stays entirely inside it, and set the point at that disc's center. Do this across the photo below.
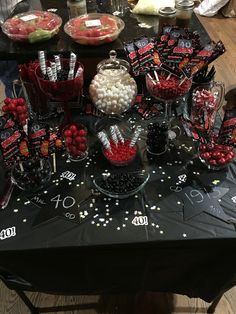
(7, 233)
(140, 221)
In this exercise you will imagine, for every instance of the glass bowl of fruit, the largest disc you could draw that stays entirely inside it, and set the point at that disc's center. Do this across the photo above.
(32, 26)
(75, 138)
(121, 185)
(94, 29)
(216, 156)
(32, 175)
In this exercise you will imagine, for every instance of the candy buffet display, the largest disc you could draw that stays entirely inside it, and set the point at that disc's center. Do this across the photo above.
(33, 26)
(113, 90)
(94, 29)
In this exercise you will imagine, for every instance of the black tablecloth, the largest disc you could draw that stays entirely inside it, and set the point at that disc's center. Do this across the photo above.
(185, 247)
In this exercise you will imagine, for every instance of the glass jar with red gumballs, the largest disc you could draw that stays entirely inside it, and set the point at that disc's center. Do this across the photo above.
(18, 108)
(117, 149)
(75, 139)
(216, 156)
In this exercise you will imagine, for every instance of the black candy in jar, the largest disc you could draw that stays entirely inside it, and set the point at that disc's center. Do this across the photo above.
(157, 138)
(32, 175)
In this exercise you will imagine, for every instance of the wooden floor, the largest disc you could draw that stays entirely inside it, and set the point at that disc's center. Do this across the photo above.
(151, 303)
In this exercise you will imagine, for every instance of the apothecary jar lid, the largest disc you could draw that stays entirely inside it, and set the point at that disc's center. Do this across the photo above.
(113, 63)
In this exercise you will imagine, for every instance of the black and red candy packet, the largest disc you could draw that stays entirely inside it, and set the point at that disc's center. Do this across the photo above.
(173, 50)
(13, 141)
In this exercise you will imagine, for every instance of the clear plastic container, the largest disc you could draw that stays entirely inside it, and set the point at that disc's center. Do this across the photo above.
(32, 26)
(113, 90)
(94, 28)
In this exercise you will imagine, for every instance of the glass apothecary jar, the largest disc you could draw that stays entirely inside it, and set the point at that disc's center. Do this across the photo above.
(184, 10)
(113, 90)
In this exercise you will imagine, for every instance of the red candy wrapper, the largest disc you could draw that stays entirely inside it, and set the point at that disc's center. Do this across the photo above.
(39, 138)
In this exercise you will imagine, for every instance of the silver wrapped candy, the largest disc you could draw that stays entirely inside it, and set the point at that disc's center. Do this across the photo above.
(42, 62)
(104, 140)
(135, 136)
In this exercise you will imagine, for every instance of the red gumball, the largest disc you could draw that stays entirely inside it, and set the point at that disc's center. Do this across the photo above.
(7, 101)
(82, 147)
(68, 140)
(20, 101)
(20, 109)
(73, 128)
(82, 132)
(5, 108)
(68, 133)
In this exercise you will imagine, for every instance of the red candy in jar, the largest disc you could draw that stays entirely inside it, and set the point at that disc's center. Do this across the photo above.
(168, 88)
(120, 153)
(216, 155)
(18, 108)
(75, 136)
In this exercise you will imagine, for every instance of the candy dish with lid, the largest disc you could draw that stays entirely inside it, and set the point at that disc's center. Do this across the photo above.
(113, 90)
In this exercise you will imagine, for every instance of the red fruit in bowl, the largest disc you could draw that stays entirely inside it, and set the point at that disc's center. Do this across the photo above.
(23, 31)
(13, 30)
(20, 102)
